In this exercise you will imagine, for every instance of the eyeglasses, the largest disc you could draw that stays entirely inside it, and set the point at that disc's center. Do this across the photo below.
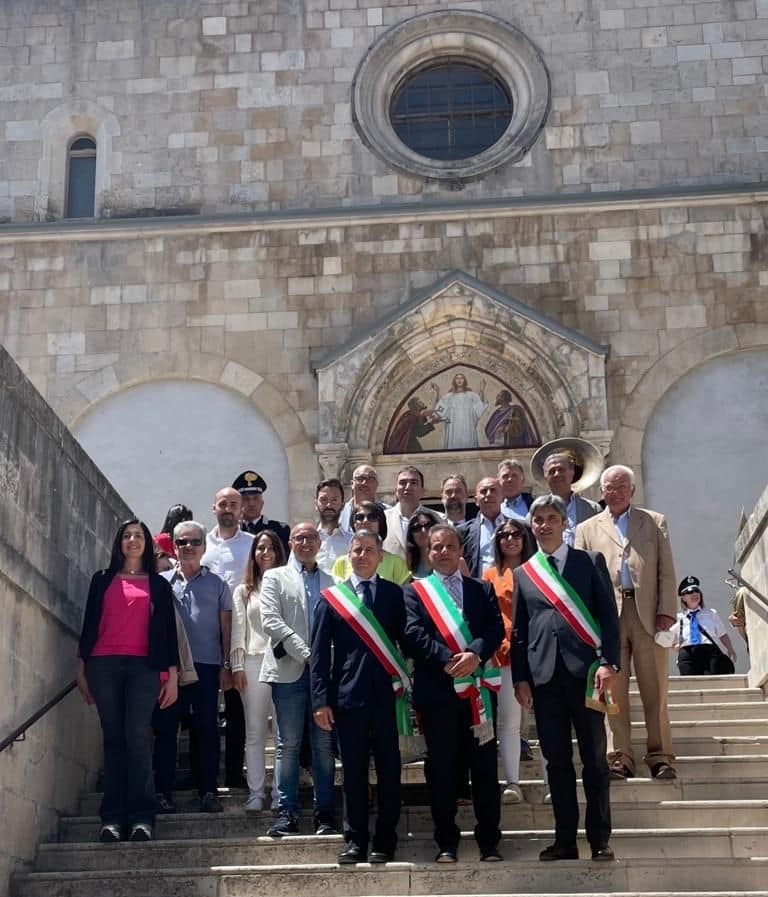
(304, 538)
(182, 543)
(509, 534)
(367, 515)
(364, 478)
(420, 527)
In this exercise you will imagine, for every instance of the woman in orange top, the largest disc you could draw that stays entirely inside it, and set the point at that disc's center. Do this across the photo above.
(512, 545)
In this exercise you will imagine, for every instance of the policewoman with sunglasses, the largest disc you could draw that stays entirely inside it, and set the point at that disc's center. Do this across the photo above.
(128, 659)
(697, 634)
(512, 546)
(369, 515)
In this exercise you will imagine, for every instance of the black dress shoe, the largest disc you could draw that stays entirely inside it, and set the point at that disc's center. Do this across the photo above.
(449, 855)
(604, 853)
(663, 771)
(490, 856)
(351, 854)
(558, 852)
(326, 828)
(381, 856)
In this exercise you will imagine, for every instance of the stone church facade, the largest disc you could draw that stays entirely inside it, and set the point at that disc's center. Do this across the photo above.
(260, 229)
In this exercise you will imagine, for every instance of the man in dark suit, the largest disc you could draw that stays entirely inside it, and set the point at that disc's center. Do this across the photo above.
(471, 630)
(252, 487)
(566, 648)
(477, 535)
(353, 690)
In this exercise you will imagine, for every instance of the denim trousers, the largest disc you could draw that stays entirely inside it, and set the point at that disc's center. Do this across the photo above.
(293, 708)
(125, 690)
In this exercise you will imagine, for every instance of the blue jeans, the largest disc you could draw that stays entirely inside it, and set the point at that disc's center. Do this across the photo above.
(125, 690)
(293, 708)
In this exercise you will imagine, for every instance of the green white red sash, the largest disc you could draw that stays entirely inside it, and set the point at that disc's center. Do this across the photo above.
(455, 633)
(570, 605)
(364, 623)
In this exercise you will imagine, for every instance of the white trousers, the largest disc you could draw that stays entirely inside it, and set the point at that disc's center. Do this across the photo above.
(508, 727)
(257, 704)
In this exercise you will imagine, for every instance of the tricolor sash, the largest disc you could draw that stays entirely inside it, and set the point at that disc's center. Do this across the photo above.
(454, 631)
(364, 623)
(571, 607)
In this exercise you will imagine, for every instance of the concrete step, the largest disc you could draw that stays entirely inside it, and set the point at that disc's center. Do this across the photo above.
(691, 683)
(302, 850)
(668, 813)
(466, 877)
(744, 780)
(706, 712)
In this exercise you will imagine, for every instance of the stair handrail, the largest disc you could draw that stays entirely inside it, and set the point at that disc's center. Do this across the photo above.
(20, 731)
(740, 581)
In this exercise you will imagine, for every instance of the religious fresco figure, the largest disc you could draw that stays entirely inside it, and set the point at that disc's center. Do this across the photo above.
(415, 422)
(508, 425)
(443, 413)
(460, 409)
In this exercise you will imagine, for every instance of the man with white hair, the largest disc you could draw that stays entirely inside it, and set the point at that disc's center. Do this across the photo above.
(636, 547)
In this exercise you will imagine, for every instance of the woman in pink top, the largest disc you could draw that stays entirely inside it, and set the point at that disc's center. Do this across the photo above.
(512, 545)
(127, 662)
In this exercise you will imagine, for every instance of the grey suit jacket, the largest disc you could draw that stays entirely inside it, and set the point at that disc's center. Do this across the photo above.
(586, 508)
(285, 619)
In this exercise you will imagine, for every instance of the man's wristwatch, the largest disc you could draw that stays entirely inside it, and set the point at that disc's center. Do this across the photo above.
(227, 665)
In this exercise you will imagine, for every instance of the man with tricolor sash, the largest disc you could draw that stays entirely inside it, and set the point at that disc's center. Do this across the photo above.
(565, 657)
(453, 627)
(360, 686)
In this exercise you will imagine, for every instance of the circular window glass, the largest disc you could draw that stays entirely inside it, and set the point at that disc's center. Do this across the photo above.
(451, 110)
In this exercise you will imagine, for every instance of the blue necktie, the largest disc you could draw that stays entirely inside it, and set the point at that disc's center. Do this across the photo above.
(367, 594)
(695, 633)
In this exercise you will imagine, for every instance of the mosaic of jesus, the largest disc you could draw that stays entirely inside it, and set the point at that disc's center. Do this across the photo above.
(460, 409)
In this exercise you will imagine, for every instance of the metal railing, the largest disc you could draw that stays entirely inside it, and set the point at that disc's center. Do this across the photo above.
(740, 581)
(19, 732)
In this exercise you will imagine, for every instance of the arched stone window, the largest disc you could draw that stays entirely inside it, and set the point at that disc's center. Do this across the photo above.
(81, 178)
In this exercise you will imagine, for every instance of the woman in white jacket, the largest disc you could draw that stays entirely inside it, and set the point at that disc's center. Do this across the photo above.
(247, 653)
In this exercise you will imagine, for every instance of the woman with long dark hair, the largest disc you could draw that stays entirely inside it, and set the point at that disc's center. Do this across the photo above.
(512, 545)
(417, 542)
(247, 654)
(127, 662)
(164, 539)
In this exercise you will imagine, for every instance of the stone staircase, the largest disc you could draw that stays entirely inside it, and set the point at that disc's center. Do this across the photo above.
(704, 834)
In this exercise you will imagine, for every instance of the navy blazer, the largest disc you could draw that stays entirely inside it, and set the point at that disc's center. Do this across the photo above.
(470, 543)
(540, 632)
(343, 671)
(431, 684)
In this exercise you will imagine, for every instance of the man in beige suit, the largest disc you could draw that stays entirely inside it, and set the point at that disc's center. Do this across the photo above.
(636, 548)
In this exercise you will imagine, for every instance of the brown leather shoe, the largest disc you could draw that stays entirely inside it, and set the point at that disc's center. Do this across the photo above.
(620, 771)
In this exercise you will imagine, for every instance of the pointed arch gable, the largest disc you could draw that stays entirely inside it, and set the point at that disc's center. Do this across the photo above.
(460, 320)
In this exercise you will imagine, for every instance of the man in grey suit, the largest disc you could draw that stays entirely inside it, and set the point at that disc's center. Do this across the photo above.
(559, 471)
(289, 596)
(566, 653)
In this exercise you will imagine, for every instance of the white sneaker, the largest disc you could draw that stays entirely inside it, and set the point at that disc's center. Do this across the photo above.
(254, 804)
(512, 794)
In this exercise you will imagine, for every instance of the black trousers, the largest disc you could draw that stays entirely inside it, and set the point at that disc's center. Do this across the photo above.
(558, 705)
(450, 743)
(234, 738)
(370, 729)
(698, 660)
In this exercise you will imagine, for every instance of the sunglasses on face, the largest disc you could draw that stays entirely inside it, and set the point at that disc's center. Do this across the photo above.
(182, 543)
(368, 515)
(420, 527)
(509, 534)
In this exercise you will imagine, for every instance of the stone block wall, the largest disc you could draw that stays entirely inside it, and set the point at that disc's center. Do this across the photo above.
(228, 105)
(58, 516)
(252, 305)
